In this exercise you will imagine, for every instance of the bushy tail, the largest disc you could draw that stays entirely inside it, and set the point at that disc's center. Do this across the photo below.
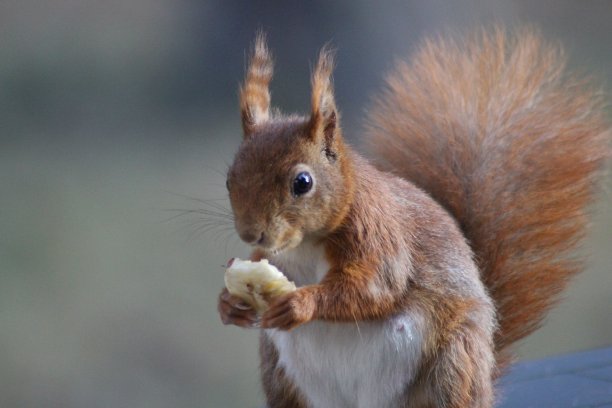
(494, 130)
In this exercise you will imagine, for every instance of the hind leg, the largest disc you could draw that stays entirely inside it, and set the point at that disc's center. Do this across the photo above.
(280, 391)
(459, 375)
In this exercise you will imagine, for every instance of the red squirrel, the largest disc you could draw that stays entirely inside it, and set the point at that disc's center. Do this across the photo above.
(417, 270)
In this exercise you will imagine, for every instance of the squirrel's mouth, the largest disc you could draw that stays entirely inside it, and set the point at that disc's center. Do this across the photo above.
(272, 248)
(285, 245)
(283, 242)
(280, 249)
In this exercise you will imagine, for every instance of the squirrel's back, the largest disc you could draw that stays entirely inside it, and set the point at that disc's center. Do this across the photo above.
(512, 147)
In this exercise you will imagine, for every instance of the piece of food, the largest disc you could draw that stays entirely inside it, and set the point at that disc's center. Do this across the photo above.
(257, 283)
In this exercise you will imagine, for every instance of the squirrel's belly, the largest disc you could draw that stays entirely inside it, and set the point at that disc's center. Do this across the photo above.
(364, 364)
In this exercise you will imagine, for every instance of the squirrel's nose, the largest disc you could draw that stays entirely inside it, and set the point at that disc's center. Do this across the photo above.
(253, 237)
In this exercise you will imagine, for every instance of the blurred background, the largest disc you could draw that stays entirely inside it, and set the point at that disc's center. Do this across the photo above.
(114, 114)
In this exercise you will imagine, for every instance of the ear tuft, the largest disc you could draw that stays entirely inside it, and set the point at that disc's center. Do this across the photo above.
(322, 88)
(255, 94)
(324, 113)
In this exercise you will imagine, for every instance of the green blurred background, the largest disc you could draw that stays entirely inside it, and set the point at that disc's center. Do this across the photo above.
(113, 113)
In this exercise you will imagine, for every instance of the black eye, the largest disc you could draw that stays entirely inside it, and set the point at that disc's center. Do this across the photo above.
(302, 183)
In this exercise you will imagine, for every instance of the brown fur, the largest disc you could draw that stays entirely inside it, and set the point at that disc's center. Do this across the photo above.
(495, 131)
(254, 95)
(457, 368)
(492, 133)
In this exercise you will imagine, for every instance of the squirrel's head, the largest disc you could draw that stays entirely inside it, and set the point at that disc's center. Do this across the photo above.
(288, 181)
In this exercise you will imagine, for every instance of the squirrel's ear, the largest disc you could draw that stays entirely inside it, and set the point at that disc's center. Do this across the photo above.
(324, 119)
(254, 93)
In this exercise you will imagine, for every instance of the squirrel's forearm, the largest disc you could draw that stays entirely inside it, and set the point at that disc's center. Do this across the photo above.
(343, 296)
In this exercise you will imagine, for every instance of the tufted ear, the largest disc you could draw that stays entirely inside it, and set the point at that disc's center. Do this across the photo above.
(324, 117)
(254, 93)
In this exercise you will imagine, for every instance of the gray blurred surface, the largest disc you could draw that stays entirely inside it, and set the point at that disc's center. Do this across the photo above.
(112, 112)
(577, 380)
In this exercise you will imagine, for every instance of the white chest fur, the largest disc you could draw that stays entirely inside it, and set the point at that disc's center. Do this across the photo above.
(304, 265)
(360, 364)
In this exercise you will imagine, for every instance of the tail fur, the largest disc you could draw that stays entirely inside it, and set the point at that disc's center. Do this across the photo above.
(496, 132)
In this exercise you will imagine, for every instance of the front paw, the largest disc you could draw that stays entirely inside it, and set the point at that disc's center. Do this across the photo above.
(290, 310)
(234, 310)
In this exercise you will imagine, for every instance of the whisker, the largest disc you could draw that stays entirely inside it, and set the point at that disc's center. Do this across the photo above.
(201, 230)
(208, 201)
(234, 240)
(208, 216)
(219, 172)
(200, 211)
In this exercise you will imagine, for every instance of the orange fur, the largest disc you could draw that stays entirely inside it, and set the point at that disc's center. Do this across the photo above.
(504, 153)
(254, 94)
(499, 135)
